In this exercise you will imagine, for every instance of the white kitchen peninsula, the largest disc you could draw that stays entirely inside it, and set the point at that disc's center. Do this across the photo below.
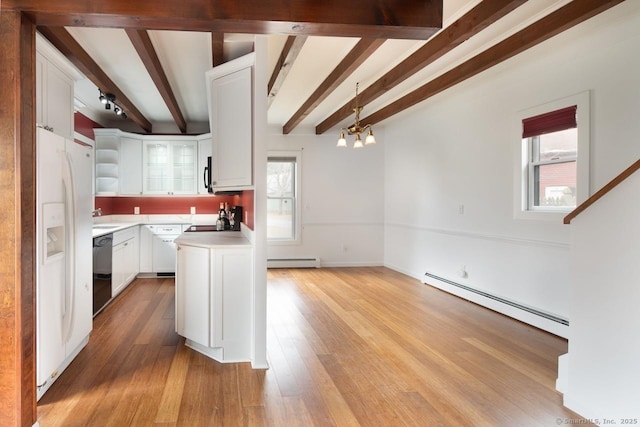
(214, 298)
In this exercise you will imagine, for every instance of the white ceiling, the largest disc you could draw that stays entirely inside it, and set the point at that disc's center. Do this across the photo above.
(186, 56)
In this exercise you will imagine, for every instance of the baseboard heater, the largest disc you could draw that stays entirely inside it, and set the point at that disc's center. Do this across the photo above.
(293, 263)
(502, 300)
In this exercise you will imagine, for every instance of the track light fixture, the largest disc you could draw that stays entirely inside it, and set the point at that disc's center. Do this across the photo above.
(107, 99)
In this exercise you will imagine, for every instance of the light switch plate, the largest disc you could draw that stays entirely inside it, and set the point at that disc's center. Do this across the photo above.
(136, 210)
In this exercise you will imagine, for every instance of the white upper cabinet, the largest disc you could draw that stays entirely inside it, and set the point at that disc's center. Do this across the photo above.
(169, 167)
(130, 166)
(230, 89)
(54, 97)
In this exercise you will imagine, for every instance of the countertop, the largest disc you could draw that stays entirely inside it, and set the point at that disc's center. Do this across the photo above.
(213, 239)
(105, 228)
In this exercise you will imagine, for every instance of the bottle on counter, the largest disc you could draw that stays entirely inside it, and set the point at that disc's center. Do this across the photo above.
(222, 223)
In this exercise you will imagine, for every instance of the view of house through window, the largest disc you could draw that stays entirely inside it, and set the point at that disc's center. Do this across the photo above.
(553, 169)
(281, 198)
(552, 139)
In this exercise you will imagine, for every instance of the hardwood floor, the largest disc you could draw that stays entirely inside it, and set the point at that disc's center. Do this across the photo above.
(356, 346)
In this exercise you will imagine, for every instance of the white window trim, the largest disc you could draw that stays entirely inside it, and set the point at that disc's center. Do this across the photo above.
(297, 240)
(521, 158)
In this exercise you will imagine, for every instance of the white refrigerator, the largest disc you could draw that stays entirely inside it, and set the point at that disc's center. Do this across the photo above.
(64, 278)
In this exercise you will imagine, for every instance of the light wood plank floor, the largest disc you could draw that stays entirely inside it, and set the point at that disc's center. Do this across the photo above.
(356, 346)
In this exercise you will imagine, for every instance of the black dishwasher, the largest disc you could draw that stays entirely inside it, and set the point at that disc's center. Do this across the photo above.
(102, 250)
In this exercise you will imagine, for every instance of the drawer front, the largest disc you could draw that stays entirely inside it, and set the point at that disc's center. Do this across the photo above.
(124, 235)
(175, 229)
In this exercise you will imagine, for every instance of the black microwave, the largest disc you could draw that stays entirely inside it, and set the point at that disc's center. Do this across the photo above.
(207, 176)
(208, 184)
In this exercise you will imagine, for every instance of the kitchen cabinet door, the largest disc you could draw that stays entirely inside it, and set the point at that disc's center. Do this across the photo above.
(118, 268)
(130, 166)
(193, 294)
(184, 164)
(170, 167)
(231, 320)
(54, 98)
(146, 249)
(164, 253)
(125, 259)
(132, 257)
(230, 89)
(156, 168)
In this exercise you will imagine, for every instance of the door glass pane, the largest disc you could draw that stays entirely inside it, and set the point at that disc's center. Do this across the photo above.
(555, 185)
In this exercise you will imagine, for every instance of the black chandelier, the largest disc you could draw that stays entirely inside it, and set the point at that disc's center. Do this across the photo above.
(107, 99)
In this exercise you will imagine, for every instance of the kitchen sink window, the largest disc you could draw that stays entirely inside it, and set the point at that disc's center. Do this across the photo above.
(283, 213)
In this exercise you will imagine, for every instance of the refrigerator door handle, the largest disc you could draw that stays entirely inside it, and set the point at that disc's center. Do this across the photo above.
(70, 214)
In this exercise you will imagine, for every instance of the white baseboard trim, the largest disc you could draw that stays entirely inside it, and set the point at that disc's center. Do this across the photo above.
(539, 322)
(308, 262)
(351, 264)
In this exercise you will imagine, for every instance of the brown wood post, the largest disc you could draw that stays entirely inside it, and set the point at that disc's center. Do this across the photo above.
(17, 220)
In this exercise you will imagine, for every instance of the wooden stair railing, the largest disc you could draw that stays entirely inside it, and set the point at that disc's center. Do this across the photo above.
(604, 190)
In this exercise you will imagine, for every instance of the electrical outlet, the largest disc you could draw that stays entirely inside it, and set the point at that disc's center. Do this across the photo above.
(463, 272)
(193, 210)
(461, 209)
(136, 210)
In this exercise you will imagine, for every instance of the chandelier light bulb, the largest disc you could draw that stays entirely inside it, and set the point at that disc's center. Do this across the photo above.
(342, 141)
(358, 142)
(370, 139)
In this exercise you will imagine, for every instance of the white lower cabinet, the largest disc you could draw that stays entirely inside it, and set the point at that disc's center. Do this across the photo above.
(157, 250)
(164, 253)
(193, 294)
(213, 300)
(125, 259)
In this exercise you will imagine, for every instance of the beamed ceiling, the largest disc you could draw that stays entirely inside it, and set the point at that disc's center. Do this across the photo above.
(153, 54)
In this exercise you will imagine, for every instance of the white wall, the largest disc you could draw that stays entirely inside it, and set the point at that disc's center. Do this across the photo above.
(603, 378)
(457, 148)
(342, 200)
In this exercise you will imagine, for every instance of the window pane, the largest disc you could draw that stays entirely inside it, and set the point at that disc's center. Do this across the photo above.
(281, 202)
(280, 179)
(555, 185)
(280, 218)
(561, 145)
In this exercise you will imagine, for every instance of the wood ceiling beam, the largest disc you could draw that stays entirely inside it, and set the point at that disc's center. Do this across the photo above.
(147, 53)
(407, 19)
(290, 51)
(356, 56)
(69, 47)
(480, 17)
(217, 48)
(553, 24)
